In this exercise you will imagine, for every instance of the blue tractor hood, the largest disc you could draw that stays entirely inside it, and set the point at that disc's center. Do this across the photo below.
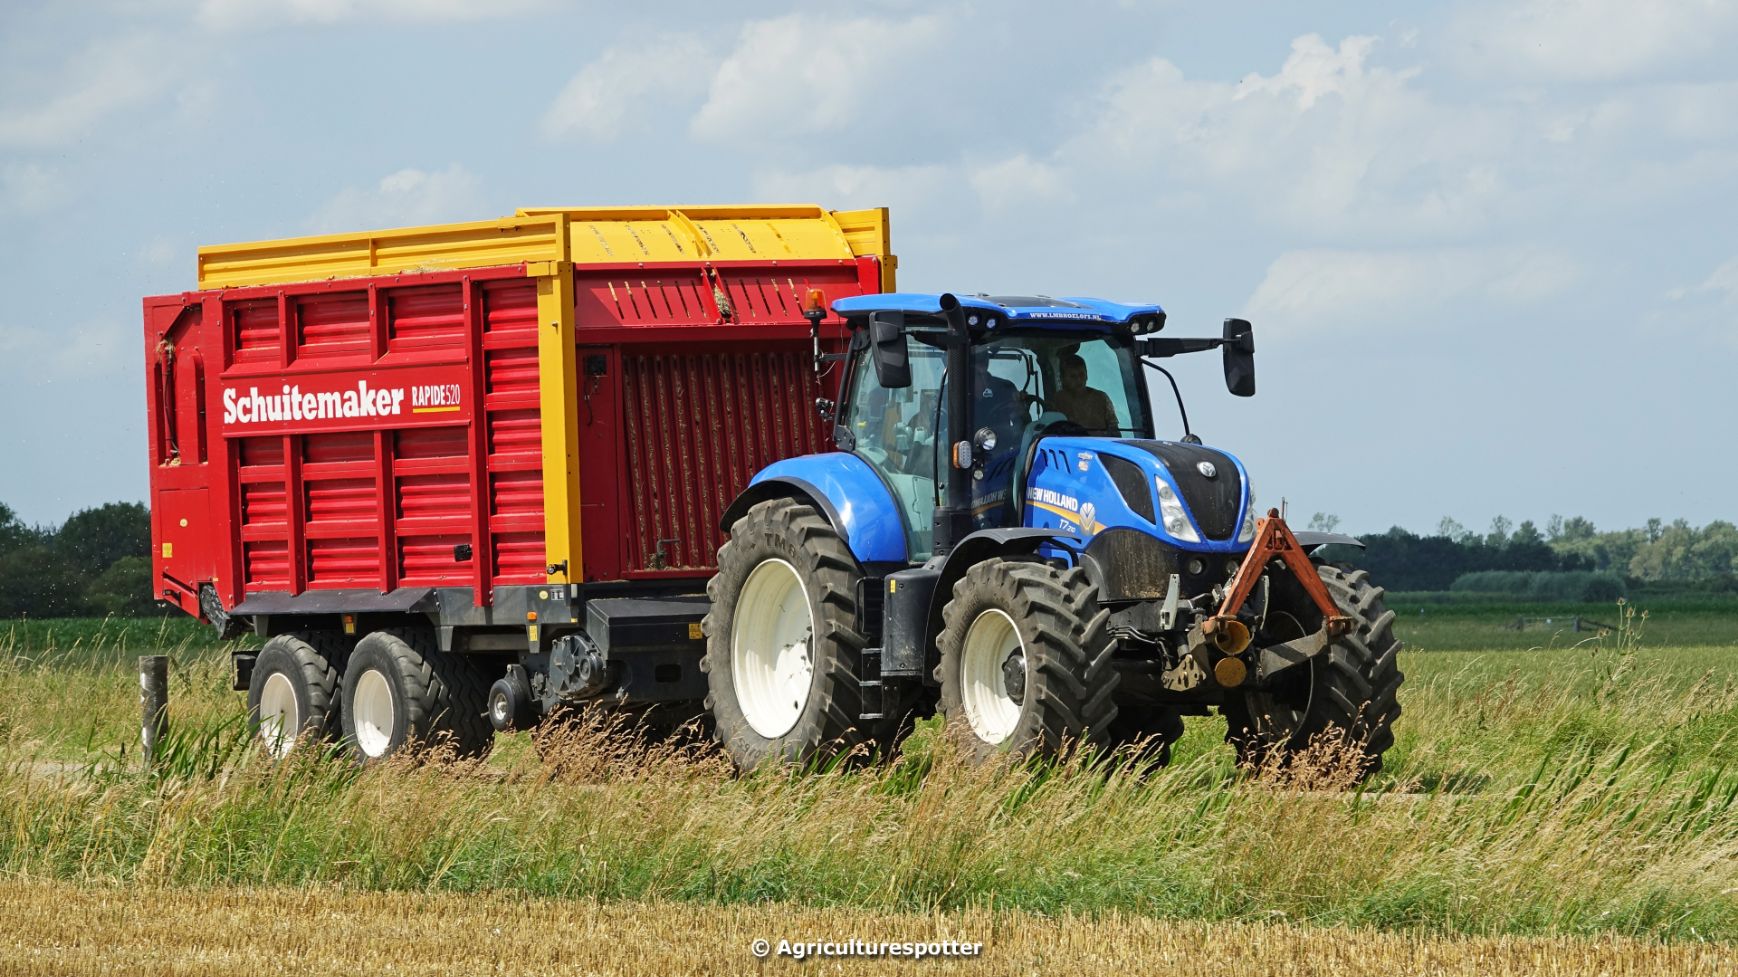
(1190, 496)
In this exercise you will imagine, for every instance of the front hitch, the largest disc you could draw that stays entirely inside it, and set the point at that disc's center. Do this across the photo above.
(1273, 541)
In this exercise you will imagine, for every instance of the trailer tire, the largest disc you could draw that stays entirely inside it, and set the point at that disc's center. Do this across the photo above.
(1349, 691)
(295, 684)
(399, 691)
(1053, 643)
(778, 550)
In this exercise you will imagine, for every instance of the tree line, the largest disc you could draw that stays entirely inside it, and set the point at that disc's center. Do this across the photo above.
(1675, 554)
(98, 562)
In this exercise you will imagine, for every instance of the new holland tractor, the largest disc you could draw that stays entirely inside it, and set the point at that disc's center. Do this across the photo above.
(1003, 536)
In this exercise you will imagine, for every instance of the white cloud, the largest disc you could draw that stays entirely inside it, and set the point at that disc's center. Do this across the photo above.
(1589, 40)
(905, 189)
(629, 85)
(1329, 143)
(50, 353)
(242, 14)
(802, 75)
(1337, 291)
(1017, 181)
(103, 79)
(1722, 284)
(407, 197)
(31, 188)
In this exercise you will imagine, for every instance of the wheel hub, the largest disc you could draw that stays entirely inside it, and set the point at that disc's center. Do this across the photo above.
(1014, 677)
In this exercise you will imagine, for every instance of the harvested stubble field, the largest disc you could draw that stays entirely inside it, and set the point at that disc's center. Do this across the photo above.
(1561, 811)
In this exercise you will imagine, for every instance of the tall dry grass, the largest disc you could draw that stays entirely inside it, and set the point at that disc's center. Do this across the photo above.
(1592, 794)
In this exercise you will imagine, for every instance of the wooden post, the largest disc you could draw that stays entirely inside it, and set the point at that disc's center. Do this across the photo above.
(153, 703)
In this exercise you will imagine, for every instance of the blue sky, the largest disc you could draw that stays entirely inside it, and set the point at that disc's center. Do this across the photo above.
(1490, 249)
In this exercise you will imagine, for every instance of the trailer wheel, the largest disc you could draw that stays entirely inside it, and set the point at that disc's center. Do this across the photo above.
(1025, 661)
(783, 653)
(292, 696)
(399, 690)
(1348, 691)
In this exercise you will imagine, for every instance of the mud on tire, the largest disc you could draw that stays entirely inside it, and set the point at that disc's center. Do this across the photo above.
(826, 724)
(1349, 691)
(1069, 683)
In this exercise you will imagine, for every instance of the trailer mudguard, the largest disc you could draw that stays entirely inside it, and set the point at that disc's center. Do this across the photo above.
(844, 489)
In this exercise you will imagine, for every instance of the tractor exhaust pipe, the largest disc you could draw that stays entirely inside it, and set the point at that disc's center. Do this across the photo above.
(953, 518)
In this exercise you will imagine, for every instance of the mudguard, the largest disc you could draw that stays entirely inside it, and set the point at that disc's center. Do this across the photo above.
(1312, 541)
(845, 490)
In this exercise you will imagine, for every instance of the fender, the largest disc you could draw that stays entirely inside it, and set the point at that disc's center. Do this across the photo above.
(1312, 541)
(845, 490)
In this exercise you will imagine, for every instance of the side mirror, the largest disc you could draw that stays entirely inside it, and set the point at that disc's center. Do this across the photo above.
(1239, 351)
(888, 346)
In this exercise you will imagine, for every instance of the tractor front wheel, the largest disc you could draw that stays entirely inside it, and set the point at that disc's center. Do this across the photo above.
(1025, 661)
(1347, 692)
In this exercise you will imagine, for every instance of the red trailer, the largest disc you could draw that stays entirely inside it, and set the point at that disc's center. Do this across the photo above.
(442, 465)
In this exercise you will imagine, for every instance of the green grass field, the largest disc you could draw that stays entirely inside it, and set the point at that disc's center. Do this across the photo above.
(1567, 791)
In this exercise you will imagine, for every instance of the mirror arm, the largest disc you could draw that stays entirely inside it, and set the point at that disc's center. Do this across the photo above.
(1188, 434)
(1163, 347)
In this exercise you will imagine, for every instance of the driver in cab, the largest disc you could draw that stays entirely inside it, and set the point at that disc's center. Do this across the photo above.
(1086, 406)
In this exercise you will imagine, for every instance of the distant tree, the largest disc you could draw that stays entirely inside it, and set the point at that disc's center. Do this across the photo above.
(13, 533)
(124, 588)
(1553, 527)
(36, 580)
(1499, 533)
(1448, 528)
(93, 539)
(1527, 534)
(1323, 522)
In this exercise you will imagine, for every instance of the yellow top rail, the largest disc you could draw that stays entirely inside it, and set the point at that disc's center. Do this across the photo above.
(584, 235)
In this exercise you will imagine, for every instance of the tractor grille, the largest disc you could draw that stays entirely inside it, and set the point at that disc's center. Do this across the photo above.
(1212, 501)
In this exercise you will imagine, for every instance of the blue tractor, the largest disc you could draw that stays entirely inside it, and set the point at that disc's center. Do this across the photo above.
(1003, 537)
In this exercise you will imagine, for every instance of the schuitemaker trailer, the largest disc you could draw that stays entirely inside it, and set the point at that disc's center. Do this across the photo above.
(473, 472)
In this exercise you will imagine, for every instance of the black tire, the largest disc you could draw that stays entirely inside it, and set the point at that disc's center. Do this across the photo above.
(827, 726)
(1147, 730)
(1350, 691)
(436, 699)
(1069, 682)
(309, 665)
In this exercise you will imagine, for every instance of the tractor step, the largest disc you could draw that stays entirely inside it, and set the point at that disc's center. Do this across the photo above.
(870, 685)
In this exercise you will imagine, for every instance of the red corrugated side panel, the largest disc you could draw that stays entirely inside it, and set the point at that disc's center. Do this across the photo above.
(681, 404)
(322, 436)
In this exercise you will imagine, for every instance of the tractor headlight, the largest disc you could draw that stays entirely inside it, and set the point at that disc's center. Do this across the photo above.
(1171, 514)
(1247, 533)
(986, 439)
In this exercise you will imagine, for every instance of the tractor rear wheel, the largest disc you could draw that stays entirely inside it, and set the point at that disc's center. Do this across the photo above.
(292, 697)
(1348, 691)
(783, 650)
(1025, 661)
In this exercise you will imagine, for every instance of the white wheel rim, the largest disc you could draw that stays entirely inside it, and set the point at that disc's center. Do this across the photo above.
(280, 719)
(372, 710)
(772, 648)
(989, 643)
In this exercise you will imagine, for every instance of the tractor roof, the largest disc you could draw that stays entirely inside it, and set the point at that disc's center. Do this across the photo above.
(1015, 310)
